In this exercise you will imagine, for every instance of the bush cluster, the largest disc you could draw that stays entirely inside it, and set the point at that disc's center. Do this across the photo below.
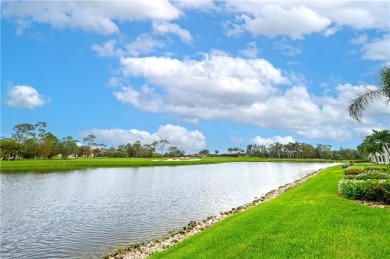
(353, 171)
(370, 190)
(368, 175)
(371, 183)
(376, 168)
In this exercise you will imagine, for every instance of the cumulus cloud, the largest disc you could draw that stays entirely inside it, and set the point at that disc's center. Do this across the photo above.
(24, 96)
(297, 19)
(251, 50)
(271, 20)
(176, 135)
(268, 141)
(172, 28)
(378, 49)
(204, 5)
(94, 16)
(250, 91)
(107, 49)
(206, 88)
(287, 48)
(142, 44)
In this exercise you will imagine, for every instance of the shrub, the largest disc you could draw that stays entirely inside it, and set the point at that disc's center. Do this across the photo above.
(376, 168)
(371, 190)
(353, 171)
(366, 176)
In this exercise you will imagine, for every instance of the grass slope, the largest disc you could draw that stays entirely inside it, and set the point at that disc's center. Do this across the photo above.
(310, 221)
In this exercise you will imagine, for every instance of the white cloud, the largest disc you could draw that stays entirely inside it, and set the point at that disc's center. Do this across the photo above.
(361, 39)
(210, 88)
(176, 136)
(268, 141)
(93, 16)
(251, 50)
(378, 49)
(296, 19)
(182, 137)
(143, 44)
(271, 20)
(106, 50)
(24, 96)
(287, 48)
(248, 91)
(203, 5)
(171, 28)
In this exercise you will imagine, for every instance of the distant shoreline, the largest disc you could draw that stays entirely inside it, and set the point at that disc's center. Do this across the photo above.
(90, 163)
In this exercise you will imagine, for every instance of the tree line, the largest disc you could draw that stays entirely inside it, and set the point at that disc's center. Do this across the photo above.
(32, 141)
(291, 150)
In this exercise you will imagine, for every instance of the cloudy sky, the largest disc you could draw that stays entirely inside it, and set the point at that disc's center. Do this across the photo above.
(200, 74)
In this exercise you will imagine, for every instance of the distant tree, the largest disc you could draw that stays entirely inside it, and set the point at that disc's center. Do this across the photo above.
(216, 152)
(297, 147)
(204, 152)
(66, 147)
(175, 152)
(276, 149)
(46, 145)
(137, 148)
(290, 149)
(362, 101)
(89, 143)
(323, 151)
(9, 148)
(161, 145)
(308, 151)
(23, 132)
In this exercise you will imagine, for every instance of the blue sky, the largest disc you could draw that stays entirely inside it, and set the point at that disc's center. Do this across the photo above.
(201, 74)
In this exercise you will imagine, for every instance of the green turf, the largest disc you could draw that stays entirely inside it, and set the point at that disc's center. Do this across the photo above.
(71, 164)
(310, 221)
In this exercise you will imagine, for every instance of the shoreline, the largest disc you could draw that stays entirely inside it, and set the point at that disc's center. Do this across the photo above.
(138, 251)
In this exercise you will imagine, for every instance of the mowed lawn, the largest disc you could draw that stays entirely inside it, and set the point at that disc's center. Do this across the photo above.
(71, 164)
(310, 221)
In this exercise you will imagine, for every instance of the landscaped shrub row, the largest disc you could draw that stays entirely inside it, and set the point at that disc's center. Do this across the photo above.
(370, 190)
(376, 168)
(353, 171)
(366, 176)
(356, 170)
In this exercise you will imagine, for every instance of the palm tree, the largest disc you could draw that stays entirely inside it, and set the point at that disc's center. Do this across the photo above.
(375, 144)
(382, 138)
(360, 103)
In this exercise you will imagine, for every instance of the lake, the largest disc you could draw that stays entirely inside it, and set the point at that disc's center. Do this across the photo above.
(88, 213)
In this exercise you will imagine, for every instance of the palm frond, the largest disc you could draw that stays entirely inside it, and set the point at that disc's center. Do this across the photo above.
(360, 103)
(385, 81)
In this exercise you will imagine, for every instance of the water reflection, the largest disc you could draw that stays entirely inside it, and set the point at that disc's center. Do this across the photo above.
(86, 213)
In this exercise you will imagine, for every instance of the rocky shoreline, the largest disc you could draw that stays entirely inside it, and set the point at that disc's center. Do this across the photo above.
(139, 251)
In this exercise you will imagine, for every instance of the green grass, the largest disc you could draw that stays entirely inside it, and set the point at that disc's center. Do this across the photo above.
(72, 164)
(310, 221)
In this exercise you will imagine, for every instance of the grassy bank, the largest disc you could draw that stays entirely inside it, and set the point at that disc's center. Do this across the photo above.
(310, 221)
(72, 164)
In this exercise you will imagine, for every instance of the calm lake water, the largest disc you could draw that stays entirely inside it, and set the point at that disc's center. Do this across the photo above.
(87, 213)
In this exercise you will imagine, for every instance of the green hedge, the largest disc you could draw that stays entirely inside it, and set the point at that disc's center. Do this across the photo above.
(367, 169)
(367, 176)
(370, 190)
(376, 168)
(353, 171)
